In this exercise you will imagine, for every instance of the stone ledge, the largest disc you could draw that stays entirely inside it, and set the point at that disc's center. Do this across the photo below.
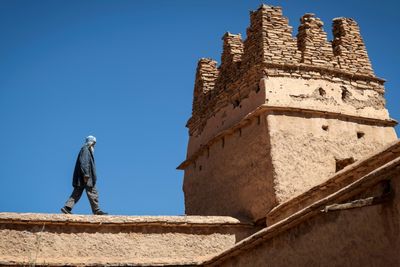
(87, 220)
(268, 109)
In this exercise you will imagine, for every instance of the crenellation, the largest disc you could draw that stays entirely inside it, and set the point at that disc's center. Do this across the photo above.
(269, 38)
(230, 66)
(270, 50)
(206, 76)
(312, 42)
(232, 50)
(348, 47)
(292, 158)
(300, 104)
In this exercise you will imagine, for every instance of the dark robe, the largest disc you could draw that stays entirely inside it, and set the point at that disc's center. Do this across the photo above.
(84, 167)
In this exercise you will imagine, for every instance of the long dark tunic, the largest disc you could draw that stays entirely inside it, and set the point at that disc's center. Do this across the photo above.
(84, 167)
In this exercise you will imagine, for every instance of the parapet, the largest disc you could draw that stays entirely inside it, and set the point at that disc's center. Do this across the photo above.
(349, 47)
(28, 239)
(269, 50)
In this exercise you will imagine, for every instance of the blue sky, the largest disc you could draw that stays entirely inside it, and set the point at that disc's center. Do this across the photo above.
(124, 72)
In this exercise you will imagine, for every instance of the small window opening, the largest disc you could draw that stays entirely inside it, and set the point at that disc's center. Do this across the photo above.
(223, 142)
(325, 127)
(208, 152)
(240, 131)
(360, 134)
(236, 103)
(342, 163)
(258, 120)
(200, 168)
(258, 88)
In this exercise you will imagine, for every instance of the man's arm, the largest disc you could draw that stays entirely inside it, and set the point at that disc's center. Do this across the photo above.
(84, 159)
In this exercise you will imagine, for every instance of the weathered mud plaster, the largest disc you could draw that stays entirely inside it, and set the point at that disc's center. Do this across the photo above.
(319, 94)
(304, 154)
(59, 240)
(234, 176)
(281, 115)
(307, 235)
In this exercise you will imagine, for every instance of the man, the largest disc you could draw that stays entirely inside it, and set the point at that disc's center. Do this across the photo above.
(85, 179)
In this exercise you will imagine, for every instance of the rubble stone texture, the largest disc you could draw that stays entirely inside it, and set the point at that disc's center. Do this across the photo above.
(272, 130)
(312, 42)
(280, 115)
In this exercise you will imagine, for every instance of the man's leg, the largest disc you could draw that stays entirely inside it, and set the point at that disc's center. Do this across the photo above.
(93, 197)
(74, 198)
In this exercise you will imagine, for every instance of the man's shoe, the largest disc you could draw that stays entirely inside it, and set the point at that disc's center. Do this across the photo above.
(100, 212)
(66, 210)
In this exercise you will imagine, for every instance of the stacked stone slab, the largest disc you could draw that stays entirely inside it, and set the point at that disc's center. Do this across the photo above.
(232, 53)
(231, 60)
(206, 76)
(349, 47)
(270, 48)
(269, 38)
(312, 42)
(280, 115)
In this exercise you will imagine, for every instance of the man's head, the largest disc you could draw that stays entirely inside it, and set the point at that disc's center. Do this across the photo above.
(90, 140)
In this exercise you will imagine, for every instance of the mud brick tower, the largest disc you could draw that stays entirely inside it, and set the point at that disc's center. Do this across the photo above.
(280, 115)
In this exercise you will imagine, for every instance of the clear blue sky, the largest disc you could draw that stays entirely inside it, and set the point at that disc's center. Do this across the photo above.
(124, 71)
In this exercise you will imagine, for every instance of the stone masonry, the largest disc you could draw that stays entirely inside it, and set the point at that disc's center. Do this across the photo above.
(280, 115)
(290, 145)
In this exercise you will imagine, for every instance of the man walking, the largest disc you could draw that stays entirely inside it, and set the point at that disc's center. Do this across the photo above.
(85, 179)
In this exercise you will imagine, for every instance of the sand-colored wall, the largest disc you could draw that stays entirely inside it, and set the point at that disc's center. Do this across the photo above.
(367, 236)
(278, 156)
(225, 119)
(270, 50)
(304, 154)
(333, 95)
(317, 95)
(27, 239)
(233, 176)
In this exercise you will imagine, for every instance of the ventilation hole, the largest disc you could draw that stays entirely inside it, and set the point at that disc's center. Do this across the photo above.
(258, 89)
(342, 163)
(200, 168)
(325, 127)
(345, 93)
(321, 92)
(208, 152)
(360, 134)
(240, 131)
(223, 142)
(258, 120)
(236, 103)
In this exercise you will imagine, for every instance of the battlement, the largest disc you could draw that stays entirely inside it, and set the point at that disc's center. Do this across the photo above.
(271, 50)
(280, 115)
